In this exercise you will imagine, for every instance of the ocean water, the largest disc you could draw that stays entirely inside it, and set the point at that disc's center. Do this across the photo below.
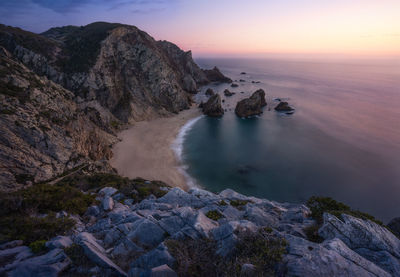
(343, 140)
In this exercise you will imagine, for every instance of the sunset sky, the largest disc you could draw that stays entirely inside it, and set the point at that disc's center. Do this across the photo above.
(232, 27)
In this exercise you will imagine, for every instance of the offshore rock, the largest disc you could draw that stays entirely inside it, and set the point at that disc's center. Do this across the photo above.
(283, 107)
(251, 106)
(215, 75)
(213, 106)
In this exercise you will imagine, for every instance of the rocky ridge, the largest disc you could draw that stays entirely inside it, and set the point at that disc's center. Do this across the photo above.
(121, 237)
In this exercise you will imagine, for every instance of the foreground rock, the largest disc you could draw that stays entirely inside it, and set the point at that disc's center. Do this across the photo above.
(134, 239)
(213, 106)
(251, 106)
(215, 75)
(283, 107)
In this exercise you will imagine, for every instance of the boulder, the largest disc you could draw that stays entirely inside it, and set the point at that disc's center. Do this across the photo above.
(126, 248)
(283, 107)
(179, 197)
(108, 191)
(332, 258)
(215, 75)
(97, 254)
(228, 93)
(59, 242)
(47, 265)
(251, 106)
(156, 257)
(210, 92)
(107, 203)
(234, 85)
(374, 242)
(213, 106)
(147, 234)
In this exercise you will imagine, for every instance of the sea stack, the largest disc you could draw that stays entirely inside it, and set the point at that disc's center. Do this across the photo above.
(251, 106)
(213, 106)
(215, 75)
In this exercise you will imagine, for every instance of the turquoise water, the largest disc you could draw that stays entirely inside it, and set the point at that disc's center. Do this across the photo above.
(342, 141)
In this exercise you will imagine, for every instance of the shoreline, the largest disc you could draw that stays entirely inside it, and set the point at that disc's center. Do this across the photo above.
(152, 149)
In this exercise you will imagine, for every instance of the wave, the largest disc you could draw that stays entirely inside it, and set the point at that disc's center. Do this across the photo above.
(177, 147)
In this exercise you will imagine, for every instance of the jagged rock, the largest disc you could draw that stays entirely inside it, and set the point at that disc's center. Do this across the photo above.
(126, 248)
(162, 271)
(197, 220)
(394, 225)
(47, 265)
(366, 238)
(59, 242)
(231, 213)
(283, 107)
(251, 106)
(96, 253)
(228, 93)
(10, 257)
(147, 233)
(231, 227)
(260, 217)
(213, 106)
(210, 92)
(215, 75)
(107, 203)
(156, 257)
(306, 258)
(177, 196)
(172, 224)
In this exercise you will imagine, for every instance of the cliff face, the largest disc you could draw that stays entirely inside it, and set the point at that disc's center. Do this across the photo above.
(120, 66)
(66, 91)
(43, 132)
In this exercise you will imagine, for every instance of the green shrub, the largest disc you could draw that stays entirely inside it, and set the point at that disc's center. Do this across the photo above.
(320, 205)
(312, 233)
(214, 215)
(30, 229)
(238, 203)
(222, 203)
(76, 254)
(199, 258)
(38, 246)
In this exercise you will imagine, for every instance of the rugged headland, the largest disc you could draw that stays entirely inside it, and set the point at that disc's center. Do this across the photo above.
(65, 96)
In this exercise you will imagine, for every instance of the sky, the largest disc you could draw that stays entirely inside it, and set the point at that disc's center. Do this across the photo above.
(232, 27)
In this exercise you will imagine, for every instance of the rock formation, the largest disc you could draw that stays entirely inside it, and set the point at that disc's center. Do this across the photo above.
(139, 238)
(210, 92)
(251, 106)
(234, 85)
(215, 75)
(228, 93)
(283, 107)
(213, 106)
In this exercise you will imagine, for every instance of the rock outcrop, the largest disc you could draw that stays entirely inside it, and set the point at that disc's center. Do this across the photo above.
(213, 106)
(251, 106)
(133, 238)
(43, 131)
(215, 75)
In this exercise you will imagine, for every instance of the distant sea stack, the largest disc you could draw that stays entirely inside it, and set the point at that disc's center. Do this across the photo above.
(66, 92)
(251, 106)
(215, 75)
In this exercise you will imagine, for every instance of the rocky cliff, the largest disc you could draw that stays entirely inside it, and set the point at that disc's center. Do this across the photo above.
(66, 91)
(43, 131)
(120, 66)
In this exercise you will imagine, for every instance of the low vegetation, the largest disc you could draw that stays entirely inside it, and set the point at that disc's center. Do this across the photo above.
(38, 246)
(214, 215)
(239, 204)
(199, 258)
(137, 189)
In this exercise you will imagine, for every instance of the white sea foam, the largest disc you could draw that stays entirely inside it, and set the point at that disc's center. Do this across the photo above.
(177, 147)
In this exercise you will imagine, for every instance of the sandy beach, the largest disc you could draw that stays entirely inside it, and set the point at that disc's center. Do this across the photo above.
(145, 149)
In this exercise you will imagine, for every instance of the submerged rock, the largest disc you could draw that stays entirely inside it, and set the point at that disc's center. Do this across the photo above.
(213, 106)
(234, 85)
(251, 106)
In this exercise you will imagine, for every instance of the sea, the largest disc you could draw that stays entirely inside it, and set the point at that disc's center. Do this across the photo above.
(342, 141)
